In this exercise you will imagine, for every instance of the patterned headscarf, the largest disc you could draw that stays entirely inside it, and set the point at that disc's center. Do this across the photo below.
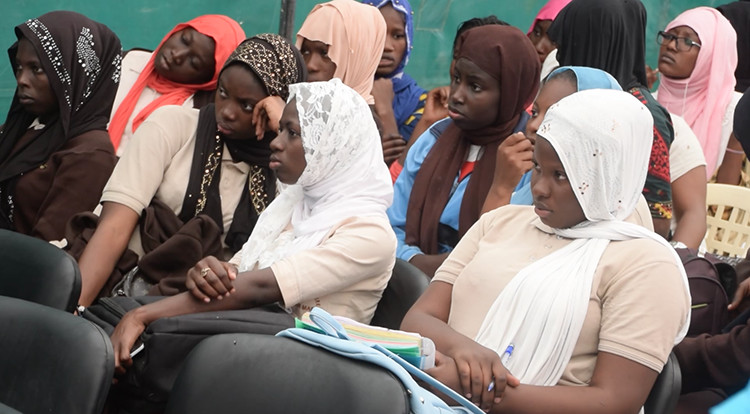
(81, 59)
(273, 60)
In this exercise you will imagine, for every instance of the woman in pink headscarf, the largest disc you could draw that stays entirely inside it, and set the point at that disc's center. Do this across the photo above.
(538, 34)
(697, 59)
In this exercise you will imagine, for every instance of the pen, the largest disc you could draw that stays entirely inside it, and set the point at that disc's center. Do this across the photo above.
(504, 360)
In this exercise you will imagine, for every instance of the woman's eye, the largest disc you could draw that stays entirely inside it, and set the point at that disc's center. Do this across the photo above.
(247, 107)
(560, 175)
(476, 87)
(534, 113)
(222, 92)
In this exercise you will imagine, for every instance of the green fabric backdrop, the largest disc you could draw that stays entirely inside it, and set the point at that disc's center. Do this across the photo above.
(142, 23)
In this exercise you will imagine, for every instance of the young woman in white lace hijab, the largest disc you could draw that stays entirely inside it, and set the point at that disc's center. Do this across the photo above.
(569, 296)
(324, 241)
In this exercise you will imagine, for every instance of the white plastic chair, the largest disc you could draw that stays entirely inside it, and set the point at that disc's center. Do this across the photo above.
(727, 219)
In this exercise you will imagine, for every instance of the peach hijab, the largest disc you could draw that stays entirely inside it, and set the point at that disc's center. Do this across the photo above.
(355, 34)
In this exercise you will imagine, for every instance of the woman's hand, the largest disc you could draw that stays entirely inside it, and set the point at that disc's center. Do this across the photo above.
(382, 92)
(478, 367)
(211, 278)
(393, 146)
(267, 114)
(514, 159)
(123, 338)
(742, 293)
(436, 104)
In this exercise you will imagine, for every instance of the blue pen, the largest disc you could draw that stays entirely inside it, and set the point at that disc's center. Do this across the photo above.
(504, 360)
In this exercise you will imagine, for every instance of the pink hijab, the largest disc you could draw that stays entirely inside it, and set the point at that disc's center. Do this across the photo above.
(702, 98)
(548, 12)
(355, 34)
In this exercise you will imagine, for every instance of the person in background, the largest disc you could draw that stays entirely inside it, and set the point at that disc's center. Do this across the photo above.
(448, 172)
(610, 35)
(738, 14)
(182, 71)
(546, 48)
(697, 59)
(566, 297)
(192, 183)
(55, 154)
(399, 100)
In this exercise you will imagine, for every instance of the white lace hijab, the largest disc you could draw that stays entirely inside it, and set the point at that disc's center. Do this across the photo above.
(603, 139)
(345, 175)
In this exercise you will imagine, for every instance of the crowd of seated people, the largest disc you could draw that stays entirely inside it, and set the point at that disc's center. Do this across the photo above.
(543, 192)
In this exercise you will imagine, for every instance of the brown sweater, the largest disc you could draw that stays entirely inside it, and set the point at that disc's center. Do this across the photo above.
(69, 182)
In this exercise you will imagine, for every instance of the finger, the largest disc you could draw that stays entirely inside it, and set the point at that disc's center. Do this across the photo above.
(477, 383)
(464, 376)
(203, 286)
(511, 380)
(200, 295)
(488, 393)
(500, 376)
(231, 272)
(739, 296)
(215, 283)
(219, 269)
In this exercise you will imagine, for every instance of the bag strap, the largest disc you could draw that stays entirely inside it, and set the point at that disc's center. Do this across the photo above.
(332, 327)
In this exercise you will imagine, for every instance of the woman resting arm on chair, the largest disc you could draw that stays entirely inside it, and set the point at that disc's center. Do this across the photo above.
(324, 241)
(586, 306)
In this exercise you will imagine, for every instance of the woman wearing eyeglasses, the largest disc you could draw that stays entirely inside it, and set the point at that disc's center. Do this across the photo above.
(697, 59)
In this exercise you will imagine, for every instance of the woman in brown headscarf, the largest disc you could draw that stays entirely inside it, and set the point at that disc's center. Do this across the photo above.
(447, 173)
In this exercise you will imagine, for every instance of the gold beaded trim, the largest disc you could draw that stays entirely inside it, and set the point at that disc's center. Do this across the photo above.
(258, 195)
(208, 173)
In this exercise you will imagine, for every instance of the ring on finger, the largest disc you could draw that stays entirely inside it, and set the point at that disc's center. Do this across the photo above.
(204, 271)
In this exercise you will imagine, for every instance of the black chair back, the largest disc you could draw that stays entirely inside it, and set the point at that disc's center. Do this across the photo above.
(37, 271)
(406, 286)
(52, 361)
(241, 373)
(666, 390)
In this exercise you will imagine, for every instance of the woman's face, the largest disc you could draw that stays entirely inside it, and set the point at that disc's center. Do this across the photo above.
(551, 92)
(674, 61)
(554, 200)
(542, 43)
(186, 57)
(474, 98)
(395, 41)
(320, 67)
(237, 92)
(287, 153)
(34, 92)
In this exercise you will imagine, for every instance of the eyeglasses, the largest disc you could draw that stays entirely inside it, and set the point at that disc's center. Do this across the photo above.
(684, 44)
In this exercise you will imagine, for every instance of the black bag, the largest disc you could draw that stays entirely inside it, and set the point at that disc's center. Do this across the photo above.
(710, 280)
(167, 342)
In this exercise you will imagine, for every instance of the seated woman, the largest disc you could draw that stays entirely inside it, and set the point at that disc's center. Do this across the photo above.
(324, 241)
(545, 47)
(447, 173)
(55, 154)
(399, 100)
(194, 182)
(586, 306)
(187, 61)
(697, 59)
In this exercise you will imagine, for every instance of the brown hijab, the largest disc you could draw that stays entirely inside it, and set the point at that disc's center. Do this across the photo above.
(507, 55)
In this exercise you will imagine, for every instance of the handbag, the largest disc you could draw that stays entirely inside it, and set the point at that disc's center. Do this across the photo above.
(166, 343)
(336, 340)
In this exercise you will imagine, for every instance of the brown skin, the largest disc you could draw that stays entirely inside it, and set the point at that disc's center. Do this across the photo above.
(319, 65)
(237, 92)
(287, 153)
(554, 200)
(514, 155)
(186, 57)
(689, 198)
(673, 61)
(435, 109)
(730, 171)
(33, 89)
(395, 41)
(541, 41)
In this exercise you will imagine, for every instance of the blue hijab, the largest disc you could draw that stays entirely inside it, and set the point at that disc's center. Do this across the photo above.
(587, 78)
(405, 89)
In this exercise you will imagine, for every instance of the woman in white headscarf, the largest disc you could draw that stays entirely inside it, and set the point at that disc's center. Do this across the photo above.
(569, 297)
(324, 241)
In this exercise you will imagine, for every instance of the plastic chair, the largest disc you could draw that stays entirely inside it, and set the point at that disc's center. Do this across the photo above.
(241, 373)
(52, 361)
(406, 286)
(728, 219)
(666, 390)
(37, 271)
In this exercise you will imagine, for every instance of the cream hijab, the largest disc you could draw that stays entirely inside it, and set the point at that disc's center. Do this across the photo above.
(603, 139)
(344, 177)
(355, 34)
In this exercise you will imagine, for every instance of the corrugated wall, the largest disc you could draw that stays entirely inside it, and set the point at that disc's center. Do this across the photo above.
(142, 23)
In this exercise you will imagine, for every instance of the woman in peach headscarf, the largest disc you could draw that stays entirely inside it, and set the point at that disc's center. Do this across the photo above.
(187, 60)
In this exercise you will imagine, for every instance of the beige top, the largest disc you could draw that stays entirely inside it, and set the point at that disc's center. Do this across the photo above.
(686, 152)
(132, 65)
(631, 312)
(345, 274)
(157, 165)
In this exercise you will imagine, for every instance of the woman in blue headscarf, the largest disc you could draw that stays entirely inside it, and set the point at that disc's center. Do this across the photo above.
(399, 100)
(512, 183)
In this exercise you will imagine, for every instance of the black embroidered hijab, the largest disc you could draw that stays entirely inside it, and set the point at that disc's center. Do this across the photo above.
(81, 59)
(605, 34)
(277, 63)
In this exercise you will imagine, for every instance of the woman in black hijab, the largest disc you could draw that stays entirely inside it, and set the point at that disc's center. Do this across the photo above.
(55, 153)
(610, 35)
(738, 14)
